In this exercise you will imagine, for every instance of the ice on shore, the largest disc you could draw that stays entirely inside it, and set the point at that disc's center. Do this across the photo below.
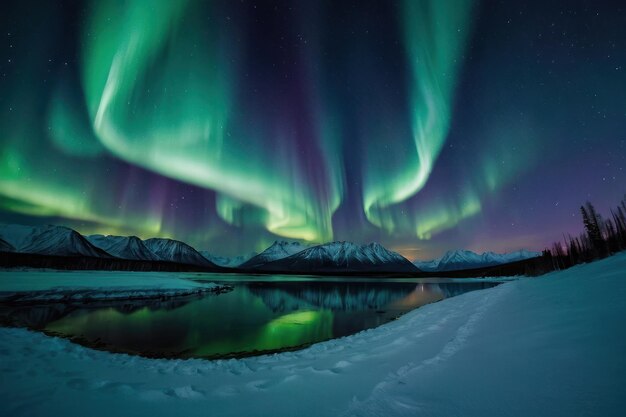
(33, 285)
(548, 346)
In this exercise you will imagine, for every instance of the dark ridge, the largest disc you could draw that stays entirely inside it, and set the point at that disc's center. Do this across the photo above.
(32, 260)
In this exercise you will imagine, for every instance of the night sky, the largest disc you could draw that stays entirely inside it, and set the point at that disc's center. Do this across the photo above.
(423, 125)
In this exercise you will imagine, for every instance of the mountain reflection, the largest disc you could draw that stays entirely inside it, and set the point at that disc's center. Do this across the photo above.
(36, 316)
(255, 317)
(357, 296)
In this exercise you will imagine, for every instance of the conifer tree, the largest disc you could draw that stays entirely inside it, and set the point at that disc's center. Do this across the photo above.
(592, 222)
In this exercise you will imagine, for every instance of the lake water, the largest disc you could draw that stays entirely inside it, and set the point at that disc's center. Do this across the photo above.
(258, 316)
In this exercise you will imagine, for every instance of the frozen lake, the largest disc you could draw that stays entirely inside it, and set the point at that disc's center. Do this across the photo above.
(261, 315)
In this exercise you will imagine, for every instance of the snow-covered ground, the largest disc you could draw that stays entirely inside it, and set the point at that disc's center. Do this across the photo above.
(40, 285)
(550, 346)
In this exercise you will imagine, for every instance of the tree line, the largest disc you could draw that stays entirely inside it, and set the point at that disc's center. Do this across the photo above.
(602, 237)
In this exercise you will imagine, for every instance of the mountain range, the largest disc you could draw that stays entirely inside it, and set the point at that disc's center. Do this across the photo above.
(63, 241)
(281, 256)
(464, 259)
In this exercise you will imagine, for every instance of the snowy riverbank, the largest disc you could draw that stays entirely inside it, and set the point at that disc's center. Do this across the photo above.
(549, 346)
(33, 285)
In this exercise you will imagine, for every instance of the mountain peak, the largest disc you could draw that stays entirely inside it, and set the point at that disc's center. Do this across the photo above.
(278, 250)
(171, 250)
(124, 247)
(283, 243)
(49, 240)
(466, 259)
(342, 256)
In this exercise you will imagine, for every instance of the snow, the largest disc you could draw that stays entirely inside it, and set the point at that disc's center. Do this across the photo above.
(175, 251)
(125, 247)
(278, 250)
(36, 285)
(344, 252)
(49, 240)
(548, 346)
(17, 235)
(342, 256)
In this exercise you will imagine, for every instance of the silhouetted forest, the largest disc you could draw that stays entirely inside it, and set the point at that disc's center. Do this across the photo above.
(602, 237)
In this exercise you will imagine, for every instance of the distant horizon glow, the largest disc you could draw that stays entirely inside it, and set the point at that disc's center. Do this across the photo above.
(423, 125)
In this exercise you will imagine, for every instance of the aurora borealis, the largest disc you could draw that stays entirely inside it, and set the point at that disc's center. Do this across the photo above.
(424, 125)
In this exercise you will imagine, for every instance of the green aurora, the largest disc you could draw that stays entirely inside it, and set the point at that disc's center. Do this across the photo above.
(231, 125)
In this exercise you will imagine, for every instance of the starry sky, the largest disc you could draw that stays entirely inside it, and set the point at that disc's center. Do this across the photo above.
(425, 125)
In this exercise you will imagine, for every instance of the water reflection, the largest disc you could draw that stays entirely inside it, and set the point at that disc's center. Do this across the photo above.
(255, 317)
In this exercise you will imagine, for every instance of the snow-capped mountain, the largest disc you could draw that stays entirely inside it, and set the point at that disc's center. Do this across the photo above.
(465, 259)
(175, 251)
(125, 247)
(229, 262)
(278, 250)
(342, 257)
(49, 240)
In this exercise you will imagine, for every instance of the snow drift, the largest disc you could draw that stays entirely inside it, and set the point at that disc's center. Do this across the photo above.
(548, 346)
